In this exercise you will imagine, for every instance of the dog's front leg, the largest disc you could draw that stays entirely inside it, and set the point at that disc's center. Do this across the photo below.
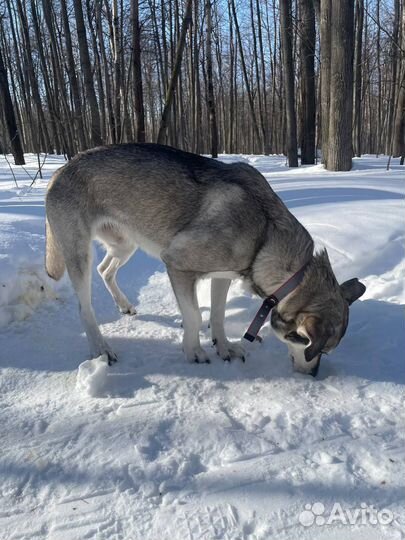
(184, 285)
(225, 348)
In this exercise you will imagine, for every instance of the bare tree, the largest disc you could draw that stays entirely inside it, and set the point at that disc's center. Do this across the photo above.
(265, 111)
(286, 44)
(379, 78)
(308, 105)
(325, 51)
(33, 83)
(8, 111)
(246, 76)
(210, 84)
(399, 124)
(175, 73)
(95, 127)
(73, 81)
(358, 78)
(341, 87)
(116, 47)
(137, 73)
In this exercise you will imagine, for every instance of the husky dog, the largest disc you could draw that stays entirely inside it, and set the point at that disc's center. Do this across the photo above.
(202, 218)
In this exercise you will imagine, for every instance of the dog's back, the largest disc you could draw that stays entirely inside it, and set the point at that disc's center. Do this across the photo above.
(153, 191)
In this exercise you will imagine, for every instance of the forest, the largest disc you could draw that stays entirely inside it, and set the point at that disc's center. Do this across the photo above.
(313, 79)
(196, 432)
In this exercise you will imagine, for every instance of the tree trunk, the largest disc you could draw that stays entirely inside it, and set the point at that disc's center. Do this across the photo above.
(231, 117)
(92, 16)
(308, 37)
(8, 110)
(19, 77)
(108, 100)
(117, 70)
(95, 127)
(64, 120)
(379, 106)
(340, 150)
(32, 80)
(137, 73)
(265, 118)
(195, 84)
(394, 77)
(286, 44)
(358, 60)
(257, 77)
(74, 85)
(399, 125)
(164, 122)
(246, 77)
(210, 85)
(325, 52)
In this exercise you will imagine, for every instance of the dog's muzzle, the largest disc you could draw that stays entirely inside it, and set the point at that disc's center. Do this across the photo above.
(301, 367)
(315, 369)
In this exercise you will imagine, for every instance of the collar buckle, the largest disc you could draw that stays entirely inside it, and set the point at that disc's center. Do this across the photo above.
(260, 317)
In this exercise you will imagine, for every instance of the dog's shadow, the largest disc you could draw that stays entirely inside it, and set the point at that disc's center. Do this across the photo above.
(372, 349)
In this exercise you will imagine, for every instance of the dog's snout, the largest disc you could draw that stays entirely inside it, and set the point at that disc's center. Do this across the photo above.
(315, 369)
(302, 367)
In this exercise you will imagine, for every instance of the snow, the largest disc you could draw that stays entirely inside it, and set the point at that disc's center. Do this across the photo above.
(92, 376)
(154, 447)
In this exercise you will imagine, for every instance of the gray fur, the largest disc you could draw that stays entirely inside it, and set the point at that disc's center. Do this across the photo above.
(201, 217)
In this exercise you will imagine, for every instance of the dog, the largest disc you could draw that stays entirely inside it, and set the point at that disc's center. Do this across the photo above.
(202, 218)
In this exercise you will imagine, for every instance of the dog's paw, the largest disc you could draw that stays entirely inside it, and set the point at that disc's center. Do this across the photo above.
(197, 355)
(112, 358)
(127, 309)
(227, 350)
(109, 354)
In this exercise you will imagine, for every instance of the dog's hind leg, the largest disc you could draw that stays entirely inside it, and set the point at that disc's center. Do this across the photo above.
(225, 349)
(78, 263)
(184, 287)
(104, 264)
(108, 271)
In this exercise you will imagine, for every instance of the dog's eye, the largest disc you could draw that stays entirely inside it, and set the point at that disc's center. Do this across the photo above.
(296, 338)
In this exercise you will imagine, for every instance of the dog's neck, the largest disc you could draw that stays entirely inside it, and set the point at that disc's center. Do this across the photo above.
(284, 253)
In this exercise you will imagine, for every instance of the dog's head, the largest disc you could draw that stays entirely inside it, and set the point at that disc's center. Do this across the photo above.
(313, 319)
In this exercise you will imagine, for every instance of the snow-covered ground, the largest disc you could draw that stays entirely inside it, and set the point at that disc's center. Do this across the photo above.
(154, 448)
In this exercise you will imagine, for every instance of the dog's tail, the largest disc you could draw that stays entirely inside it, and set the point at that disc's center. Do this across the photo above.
(54, 261)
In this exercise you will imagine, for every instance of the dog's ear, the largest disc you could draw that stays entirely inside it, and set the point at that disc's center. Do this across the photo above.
(315, 330)
(352, 290)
